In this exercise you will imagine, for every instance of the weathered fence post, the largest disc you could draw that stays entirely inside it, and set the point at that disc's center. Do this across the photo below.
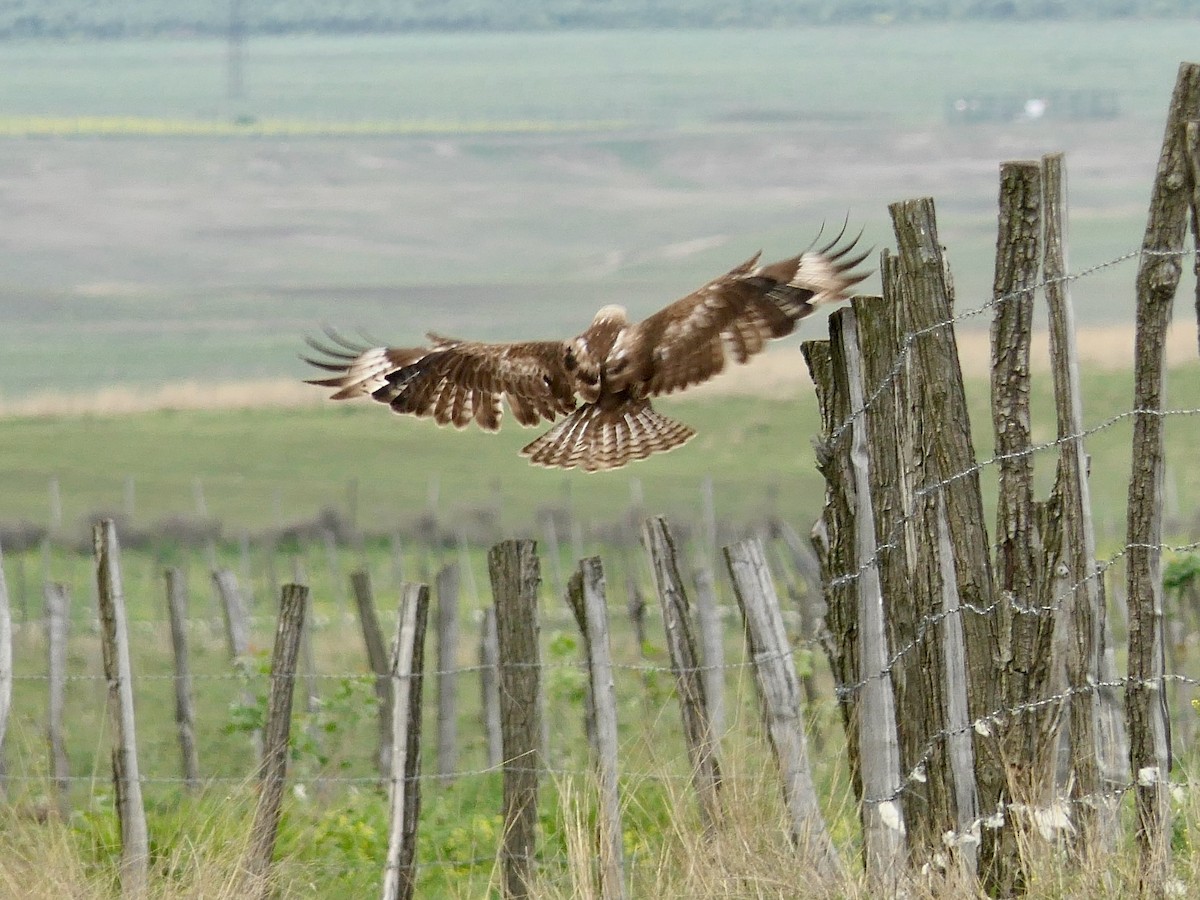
(586, 596)
(1193, 156)
(708, 622)
(135, 845)
(879, 750)
(185, 714)
(58, 624)
(377, 657)
(833, 538)
(6, 666)
(447, 675)
(937, 390)
(489, 687)
(1082, 611)
(779, 691)
(406, 678)
(1157, 279)
(233, 613)
(515, 576)
(292, 607)
(697, 727)
(1023, 575)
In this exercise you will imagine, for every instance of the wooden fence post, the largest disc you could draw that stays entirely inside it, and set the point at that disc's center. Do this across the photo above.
(135, 845)
(1157, 280)
(779, 691)
(879, 743)
(292, 606)
(233, 612)
(185, 714)
(586, 596)
(708, 622)
(406, 678)
(513, 567)
(489, 685)
(447, 676)
(834, 543)
(377, 656)
(693, 705)
(946, 440)
(1024, 573)
(6, 667)
(1082, 609)
(1193, 156)
(58, 624)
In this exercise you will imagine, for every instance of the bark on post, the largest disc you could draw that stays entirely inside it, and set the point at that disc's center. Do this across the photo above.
(284, 657)
(1025, 629)
(377, 657)
(185, 713)
(586, 596)
(135, 845)
(406, 678)
(489, 687)
(58, 623)
(697, 727)
(836, 551)
(779, 692)
(1157, 279)
(447, 677)
(883, 837)
(937, 389)
(1081, 609)
(515, 577)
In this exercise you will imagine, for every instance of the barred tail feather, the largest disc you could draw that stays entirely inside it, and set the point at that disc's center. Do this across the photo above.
(594, 438)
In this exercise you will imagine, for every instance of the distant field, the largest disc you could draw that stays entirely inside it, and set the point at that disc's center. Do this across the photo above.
(260, 468)
(517, 181)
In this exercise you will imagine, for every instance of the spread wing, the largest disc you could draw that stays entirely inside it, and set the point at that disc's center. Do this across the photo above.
(736, 314)
(453, 381)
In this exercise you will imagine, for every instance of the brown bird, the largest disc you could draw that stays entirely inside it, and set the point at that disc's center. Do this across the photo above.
(602, 380)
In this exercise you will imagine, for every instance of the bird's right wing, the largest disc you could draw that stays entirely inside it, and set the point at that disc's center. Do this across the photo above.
(453, 381)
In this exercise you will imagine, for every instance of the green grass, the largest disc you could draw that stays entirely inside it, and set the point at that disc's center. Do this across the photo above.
(262, 468)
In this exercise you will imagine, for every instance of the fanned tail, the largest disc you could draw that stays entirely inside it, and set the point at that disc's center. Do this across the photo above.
(595, 439)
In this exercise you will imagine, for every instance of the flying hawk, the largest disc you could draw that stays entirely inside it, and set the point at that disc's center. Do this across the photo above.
(602, 380)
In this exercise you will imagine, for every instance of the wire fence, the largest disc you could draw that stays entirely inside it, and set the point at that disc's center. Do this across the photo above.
(336, 630)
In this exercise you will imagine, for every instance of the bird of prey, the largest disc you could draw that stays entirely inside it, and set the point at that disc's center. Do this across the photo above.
(597, 386)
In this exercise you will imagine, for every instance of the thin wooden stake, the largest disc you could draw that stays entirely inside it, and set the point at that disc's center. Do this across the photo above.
(377, 656)
(185, 714)
(515, 576)
(1157, 280)
(779, 692)
(447, 676)
(1082, 611)
(685, 663)
(879, 743)
(284, 657)
(58, 624)
(708, 622)
(586, 595)
(406, 677)
(135, 845)
(233, 614)
(489, 686)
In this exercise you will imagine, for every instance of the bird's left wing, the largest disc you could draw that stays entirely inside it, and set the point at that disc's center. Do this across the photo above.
(453, 381)
(686, 343)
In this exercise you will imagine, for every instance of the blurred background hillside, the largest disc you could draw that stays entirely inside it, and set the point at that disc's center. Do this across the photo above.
(182, 200)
